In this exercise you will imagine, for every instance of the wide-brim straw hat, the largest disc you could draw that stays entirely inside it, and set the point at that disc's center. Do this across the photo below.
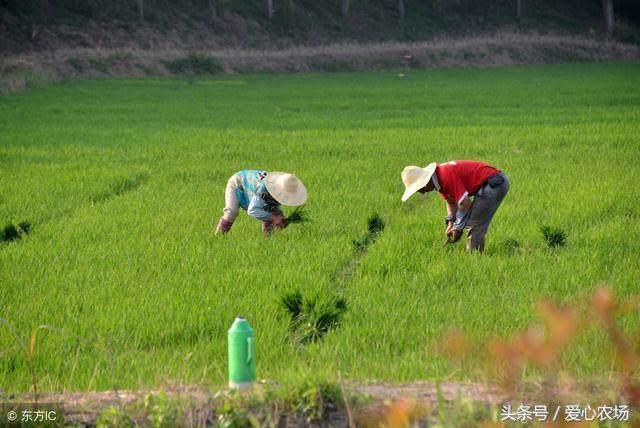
(415, 178)
(286, 188)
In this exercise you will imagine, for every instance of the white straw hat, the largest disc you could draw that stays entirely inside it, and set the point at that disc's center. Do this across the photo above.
(286, 188)
(415, 178)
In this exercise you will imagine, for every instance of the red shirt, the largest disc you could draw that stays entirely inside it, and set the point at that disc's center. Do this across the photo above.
(459, 179)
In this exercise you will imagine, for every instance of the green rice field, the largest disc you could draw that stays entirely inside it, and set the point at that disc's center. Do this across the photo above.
(121, 183)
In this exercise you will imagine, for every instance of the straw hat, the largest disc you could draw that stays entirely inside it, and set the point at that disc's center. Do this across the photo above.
(415, 178)
(286, 188)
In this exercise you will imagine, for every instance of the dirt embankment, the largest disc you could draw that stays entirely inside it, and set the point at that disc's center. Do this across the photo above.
(350, 404)
(21, 71)
(201, 407)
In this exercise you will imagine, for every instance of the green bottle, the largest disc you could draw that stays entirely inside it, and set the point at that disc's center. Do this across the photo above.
(242, 356)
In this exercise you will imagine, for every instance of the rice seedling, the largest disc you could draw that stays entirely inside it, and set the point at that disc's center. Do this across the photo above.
(375, 225)
(12, 232)
(292, 302)
(299, 215)
(554, 236)
(311, 318)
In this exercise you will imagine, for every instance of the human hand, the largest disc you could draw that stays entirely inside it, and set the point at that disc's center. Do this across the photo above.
(449, 228)
(277, 220)
(282, 225)
(454, 235)
(267, 228)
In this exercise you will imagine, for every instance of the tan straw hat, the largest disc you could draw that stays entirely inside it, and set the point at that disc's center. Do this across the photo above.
(286, 188)
(415, 178)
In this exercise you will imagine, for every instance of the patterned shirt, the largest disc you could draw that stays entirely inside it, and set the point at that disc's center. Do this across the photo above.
(253, 195)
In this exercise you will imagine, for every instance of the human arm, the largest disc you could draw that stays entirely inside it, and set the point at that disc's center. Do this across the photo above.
(452, 209)
(465, 205)
(457, 217)
(455, 193)
(462, 215)
(456, 196)
(454, 233)
(257, 210)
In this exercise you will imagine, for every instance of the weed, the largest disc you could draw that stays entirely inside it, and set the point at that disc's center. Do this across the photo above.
(161, 411)
(233, 416)
(554, 236)
(114, 417)
(313, 399)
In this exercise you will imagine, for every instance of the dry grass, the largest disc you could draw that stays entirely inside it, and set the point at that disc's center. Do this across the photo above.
(505, 49)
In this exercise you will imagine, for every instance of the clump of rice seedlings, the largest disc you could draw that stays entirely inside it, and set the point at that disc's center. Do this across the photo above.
(312, 318)
(554, 236)
(512, 244)
(298, 216)
(292, 302)
(12, 232)
(375, 225)
(25, 227)
(362, 243)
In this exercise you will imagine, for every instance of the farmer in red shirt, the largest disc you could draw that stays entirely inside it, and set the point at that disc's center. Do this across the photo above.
(457, 182)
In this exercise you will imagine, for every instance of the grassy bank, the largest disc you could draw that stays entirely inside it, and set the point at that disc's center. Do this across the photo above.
(22, 71)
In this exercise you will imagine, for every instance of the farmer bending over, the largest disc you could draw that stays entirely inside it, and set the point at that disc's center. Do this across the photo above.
(261, 193)
(458, 181)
